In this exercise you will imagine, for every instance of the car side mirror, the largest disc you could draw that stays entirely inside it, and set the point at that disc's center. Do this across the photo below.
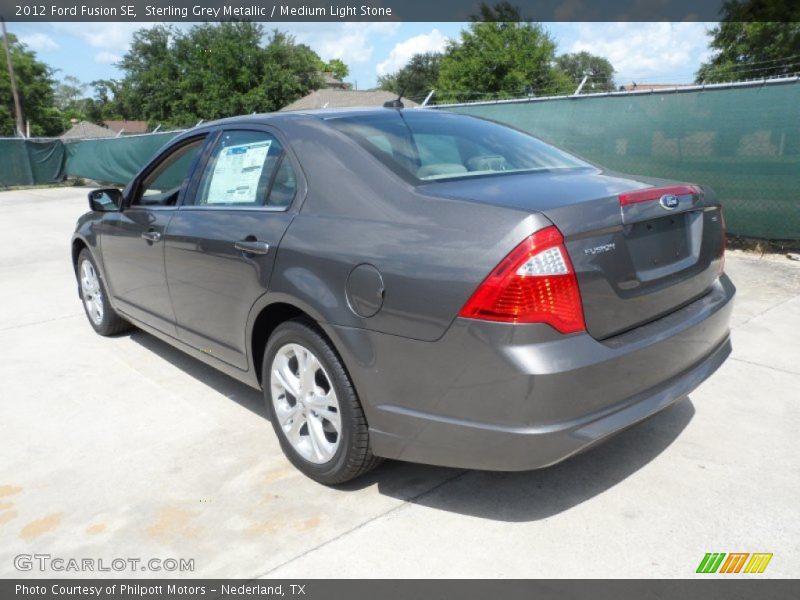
(105, 200)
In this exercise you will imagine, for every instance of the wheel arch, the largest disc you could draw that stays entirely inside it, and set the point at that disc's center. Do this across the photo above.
(268, 314)
(267, 319)
(78, 245)
(351, 345)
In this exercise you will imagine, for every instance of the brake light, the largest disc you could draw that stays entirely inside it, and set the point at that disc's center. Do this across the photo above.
(535, 283)
(657, 193)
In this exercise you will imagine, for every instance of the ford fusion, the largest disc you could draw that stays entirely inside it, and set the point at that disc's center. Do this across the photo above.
(414, 284)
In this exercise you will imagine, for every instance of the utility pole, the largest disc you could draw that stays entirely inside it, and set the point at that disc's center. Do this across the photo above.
(17, 107)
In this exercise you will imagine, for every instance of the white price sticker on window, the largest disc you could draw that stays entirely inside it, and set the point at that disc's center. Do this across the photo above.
(237, 173)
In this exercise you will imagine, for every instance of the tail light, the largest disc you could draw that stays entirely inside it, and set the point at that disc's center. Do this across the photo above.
(535, 283)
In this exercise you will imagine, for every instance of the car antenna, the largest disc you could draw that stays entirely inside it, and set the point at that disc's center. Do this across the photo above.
(397, 102)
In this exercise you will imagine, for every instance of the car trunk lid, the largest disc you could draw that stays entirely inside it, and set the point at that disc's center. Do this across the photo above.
(641, 248)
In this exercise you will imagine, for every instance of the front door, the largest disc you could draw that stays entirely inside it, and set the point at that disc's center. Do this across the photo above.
(133, 240)
(221, 243)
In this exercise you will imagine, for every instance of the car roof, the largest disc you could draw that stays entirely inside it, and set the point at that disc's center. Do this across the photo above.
(328, 113)
(320, 113)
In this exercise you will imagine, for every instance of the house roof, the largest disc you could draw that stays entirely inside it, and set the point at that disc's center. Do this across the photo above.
(85, 130)
(344, 99)
(127, 126)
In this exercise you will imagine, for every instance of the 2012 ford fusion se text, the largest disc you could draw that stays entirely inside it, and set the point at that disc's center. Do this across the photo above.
(414, 284)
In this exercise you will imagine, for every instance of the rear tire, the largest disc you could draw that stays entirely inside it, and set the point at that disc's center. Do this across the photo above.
(94, 297)
(313, 406)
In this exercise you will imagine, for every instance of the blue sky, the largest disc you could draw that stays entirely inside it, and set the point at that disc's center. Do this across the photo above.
(641, 52)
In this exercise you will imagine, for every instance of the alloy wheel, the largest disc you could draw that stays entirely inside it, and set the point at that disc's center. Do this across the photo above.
(92, 292)
(305, 403)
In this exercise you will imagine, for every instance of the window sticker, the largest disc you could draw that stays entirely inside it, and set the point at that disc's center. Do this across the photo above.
(237, 172)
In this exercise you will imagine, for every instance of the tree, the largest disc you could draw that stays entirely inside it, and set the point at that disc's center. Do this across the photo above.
(176, 77)
(500, 56)
(102, 106)
(149, 85)
(337, 68)
(754, 39)
(600, 72)
(291, 71)
(73, 104)
(416, 79)
(68, 92)
(35, 86)
(219, 73)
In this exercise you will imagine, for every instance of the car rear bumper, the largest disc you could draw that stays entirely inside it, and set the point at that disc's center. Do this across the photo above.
(509, 397)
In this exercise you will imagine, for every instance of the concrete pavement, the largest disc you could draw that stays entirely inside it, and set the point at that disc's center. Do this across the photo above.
(126, 448)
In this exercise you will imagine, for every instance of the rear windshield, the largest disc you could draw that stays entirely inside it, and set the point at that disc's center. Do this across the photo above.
(422, 145)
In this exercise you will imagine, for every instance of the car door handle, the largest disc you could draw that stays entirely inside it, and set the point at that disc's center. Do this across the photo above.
(151, 236)
(252, 247)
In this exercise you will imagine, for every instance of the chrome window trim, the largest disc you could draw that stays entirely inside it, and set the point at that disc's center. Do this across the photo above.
(237, 208)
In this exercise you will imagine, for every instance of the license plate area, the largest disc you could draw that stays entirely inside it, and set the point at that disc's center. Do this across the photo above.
(665, 245)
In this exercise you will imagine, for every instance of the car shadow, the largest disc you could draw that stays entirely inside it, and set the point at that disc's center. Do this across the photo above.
(243, 394)
(512, 497)
(535, 495)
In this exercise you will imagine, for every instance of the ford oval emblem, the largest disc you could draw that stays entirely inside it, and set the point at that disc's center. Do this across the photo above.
(669, 201)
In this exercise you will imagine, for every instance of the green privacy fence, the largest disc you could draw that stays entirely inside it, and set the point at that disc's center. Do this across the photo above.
(742, 140)
(31, 162)
(108, 160)
(113, 160)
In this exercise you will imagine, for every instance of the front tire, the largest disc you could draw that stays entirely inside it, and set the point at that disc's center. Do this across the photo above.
(313, 406)
(94, 297)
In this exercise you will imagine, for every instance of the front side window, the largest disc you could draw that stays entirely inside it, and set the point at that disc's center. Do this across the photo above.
(423, 145)
(162, 184)
(247, 169)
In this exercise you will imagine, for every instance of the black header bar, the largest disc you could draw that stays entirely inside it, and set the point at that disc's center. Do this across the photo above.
(714, 587)
(358, 10)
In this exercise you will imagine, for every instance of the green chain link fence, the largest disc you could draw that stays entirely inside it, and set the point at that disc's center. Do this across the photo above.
(108, 160)
(743, 141)
(113, 160)
(31, 162)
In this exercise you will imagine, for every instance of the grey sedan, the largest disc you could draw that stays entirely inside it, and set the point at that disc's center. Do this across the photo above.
(413, 284)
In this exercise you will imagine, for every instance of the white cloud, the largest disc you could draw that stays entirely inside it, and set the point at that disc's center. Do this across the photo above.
(39, 42)
(646, 51)
(350, 42)
(434, 41)
(107, 57)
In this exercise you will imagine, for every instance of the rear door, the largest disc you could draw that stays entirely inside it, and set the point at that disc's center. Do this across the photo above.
(221, 242)
(132, 240)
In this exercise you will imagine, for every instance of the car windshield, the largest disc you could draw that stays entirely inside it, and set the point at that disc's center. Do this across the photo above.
(422, 145)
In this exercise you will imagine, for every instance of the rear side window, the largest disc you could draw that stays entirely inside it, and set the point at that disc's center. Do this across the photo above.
(247, 169)
(284, 185)
(425, 145)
